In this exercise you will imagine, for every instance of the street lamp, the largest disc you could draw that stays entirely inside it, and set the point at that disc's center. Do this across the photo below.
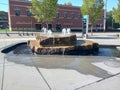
(112, 20)
(105, 12)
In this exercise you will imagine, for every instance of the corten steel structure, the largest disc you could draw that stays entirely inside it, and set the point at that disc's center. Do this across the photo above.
(67, 16)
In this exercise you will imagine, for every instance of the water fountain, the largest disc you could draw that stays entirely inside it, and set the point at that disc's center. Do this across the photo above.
(61, 44)
(67, 44)
(64, 31)
(44, 30)
(68, 31)
(49, 32)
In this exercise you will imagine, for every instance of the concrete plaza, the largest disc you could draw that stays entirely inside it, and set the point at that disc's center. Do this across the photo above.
(24, 72)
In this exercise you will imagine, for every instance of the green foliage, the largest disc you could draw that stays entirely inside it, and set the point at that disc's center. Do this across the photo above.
(35, 9)
(68, 4)
(116, 13)
(109, 19)
(1, 15)
(44, 10)
(93, 8)
(5, 30)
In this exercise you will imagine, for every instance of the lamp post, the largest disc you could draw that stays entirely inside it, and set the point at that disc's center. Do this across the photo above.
(112, 20)
(105, 12)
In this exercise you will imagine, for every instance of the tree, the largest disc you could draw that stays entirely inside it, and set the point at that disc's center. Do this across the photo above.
(93, 8)
(1, 15)
(44, 10)
(68, 3)
(109, 19)
(35, 9)
(116, 13)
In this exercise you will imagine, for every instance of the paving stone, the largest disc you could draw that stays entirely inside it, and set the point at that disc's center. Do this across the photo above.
(21, 77)
(1, 75)
(118, 75)
(111, 70)
(2, 56)
(63, 79)
(112, 83)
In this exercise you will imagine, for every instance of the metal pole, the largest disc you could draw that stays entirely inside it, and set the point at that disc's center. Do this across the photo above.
(105, 12)
(112, 19)
(87, 25)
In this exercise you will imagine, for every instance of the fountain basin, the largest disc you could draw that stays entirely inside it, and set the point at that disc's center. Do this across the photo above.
(62, 45)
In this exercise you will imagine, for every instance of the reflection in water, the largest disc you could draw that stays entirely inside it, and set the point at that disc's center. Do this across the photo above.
(112, 52)
(81, 64)
(23, 49)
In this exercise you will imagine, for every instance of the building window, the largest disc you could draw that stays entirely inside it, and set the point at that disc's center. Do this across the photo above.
(79, 16)
(65, 15)
(17, 12)
(72, 15)
(57, 15)
(102, 17)
(28, 13)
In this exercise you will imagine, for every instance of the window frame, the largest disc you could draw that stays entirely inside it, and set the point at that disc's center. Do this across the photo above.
(65, 15)
(72, 16)
(57, 15)
(79, 16)
(17, 12)
(28, 13)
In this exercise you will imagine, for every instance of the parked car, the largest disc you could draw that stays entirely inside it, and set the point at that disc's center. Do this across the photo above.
(3, 27)
(109, 28)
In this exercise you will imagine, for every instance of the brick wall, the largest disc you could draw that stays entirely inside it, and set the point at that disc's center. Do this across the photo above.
(24, 22)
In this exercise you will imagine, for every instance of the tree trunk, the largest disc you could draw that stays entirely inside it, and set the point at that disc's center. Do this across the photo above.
(92, 30)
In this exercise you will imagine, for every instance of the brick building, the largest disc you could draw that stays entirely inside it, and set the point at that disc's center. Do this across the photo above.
(21, 19)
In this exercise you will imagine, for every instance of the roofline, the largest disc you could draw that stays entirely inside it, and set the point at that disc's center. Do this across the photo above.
(58, 4)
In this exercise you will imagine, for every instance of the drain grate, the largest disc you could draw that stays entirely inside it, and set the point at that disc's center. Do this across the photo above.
(112, 63)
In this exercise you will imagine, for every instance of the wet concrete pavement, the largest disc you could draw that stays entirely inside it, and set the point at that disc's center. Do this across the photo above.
(24, 72)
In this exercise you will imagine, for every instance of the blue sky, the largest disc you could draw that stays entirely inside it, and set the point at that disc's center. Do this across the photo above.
(110, 4)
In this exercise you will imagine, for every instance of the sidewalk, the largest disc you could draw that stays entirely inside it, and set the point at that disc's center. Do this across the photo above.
(103, 38)
(58, 72)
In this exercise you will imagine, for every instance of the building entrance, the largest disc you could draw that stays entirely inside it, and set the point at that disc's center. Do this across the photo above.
(58, 27)
(49, 26)
(38, 26)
